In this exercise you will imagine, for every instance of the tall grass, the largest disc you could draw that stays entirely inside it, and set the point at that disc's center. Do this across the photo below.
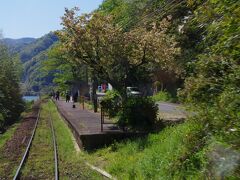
(151, 157)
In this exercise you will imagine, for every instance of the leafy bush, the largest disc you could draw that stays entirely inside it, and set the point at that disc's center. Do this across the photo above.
(111, 102)
(162, 96)
(138, 113)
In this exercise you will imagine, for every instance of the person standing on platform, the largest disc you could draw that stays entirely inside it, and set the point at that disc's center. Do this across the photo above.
(57, 96)
(75, 97)
(67, 97)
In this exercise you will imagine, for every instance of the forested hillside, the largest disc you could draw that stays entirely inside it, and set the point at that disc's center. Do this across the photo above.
(17, 45)
(32, 52)
(38, 46)
(32, 57)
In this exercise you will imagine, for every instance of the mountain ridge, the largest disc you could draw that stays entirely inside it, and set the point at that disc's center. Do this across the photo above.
(32, 52)
(17, 45)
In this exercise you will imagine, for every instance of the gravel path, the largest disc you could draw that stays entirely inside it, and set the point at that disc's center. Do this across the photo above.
(11, 153)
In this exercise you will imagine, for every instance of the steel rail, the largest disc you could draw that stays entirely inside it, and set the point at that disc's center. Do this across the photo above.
(17, 174)
(54, 146)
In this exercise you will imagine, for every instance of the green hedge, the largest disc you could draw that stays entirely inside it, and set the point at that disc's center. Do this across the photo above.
(138, 113)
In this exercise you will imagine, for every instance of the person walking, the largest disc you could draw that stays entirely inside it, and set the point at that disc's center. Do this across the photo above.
(57, 96)
(75, 97)
(67, 97)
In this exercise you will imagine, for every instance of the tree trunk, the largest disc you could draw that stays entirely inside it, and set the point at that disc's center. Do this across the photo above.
(86, 73)
(94, 89)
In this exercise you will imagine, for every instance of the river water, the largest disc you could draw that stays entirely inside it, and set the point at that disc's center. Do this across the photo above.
(30, 98)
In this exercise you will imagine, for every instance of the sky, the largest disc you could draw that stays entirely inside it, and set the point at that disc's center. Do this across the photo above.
(34, 18)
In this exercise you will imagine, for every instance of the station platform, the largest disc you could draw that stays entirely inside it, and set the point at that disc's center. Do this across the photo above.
(86, 126)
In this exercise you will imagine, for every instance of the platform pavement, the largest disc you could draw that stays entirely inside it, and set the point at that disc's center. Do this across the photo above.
(84, 121)
(86, 127)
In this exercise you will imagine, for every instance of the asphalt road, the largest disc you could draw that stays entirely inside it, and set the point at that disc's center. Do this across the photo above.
(171, 110)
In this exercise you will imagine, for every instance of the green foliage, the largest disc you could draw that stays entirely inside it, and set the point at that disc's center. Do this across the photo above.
(64, 71)
(162, 96)
(125, 13)
(214, 82)
(111, 102)
(213, 86)
(216, 66)
(138, 113)
(11, 104)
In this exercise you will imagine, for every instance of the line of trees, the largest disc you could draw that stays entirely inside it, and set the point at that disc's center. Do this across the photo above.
(11, 104)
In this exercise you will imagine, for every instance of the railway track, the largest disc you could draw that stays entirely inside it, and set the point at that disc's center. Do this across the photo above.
(55, 146)
(26, 153)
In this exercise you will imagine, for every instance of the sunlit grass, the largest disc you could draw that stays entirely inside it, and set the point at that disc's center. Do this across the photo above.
(3, 139)
(8, 134)
(71, 161)
(40, 161)
(144, 158)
